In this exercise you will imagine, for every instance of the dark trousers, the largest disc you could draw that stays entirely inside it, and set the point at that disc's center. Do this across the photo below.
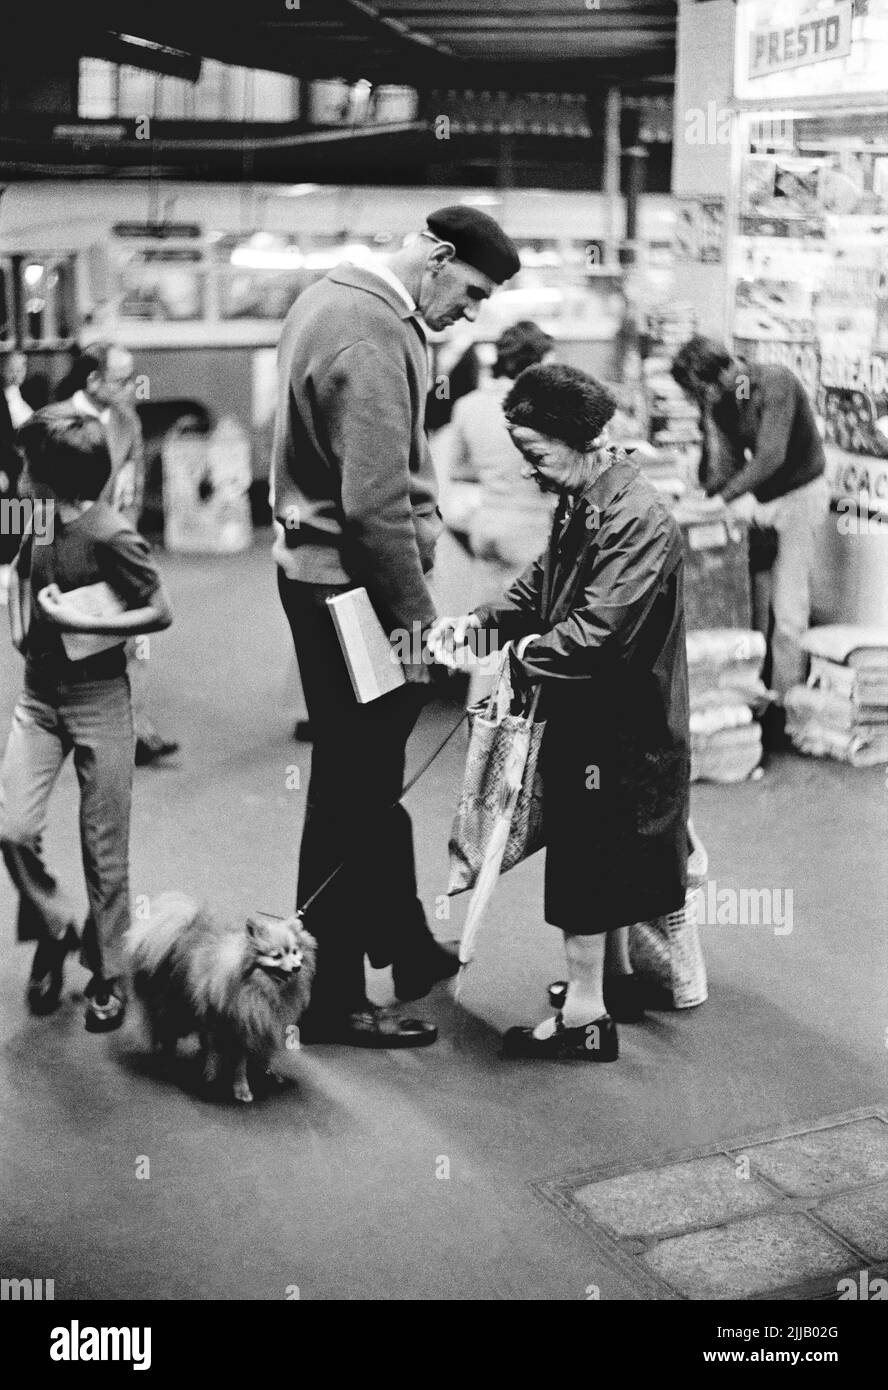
(357, 771)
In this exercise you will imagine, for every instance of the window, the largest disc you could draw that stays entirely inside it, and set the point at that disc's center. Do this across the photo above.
(97, 92)
(165, 285)
(809, 268)
(222, 93)
(260, 276)
(48, 299)
(260, 294)
(137, 93)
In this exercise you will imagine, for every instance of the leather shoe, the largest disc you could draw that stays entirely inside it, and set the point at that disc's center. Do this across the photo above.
(371, 1027)
(151, 750)
(413, 979)
(591, 1042)
(47, 973)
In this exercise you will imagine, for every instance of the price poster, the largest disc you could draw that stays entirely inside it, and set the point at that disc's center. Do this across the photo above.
(700, 229)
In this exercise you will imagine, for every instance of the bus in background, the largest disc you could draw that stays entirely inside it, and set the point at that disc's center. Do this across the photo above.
(195, 280)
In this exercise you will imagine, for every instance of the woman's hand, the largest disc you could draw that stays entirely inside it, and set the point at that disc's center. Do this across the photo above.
(447, 639)
(57, 610)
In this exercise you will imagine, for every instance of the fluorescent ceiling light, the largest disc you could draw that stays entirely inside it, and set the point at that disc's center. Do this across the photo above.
(297, 190)
(530, 257)
(253, 258)
(154, 47)
(529, 296)
(260, 256)
(322, 260)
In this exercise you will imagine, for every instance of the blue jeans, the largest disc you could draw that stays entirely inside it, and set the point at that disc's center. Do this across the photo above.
(92, 719)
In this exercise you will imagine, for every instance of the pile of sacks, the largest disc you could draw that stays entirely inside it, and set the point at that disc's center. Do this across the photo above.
(726, 695)
(842, 712)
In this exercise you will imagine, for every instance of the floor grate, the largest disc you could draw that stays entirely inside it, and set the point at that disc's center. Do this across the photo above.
(779, 1216)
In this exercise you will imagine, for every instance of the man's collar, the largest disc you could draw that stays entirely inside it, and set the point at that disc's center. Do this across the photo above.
(386, 285)
(388, 275)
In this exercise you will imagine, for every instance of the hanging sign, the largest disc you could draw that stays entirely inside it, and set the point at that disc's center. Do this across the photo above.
(814, 38)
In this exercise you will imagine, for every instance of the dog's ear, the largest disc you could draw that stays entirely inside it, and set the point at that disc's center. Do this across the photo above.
(258, 921)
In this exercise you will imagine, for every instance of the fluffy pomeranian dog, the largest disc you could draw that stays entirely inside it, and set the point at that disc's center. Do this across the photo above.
(241, 989)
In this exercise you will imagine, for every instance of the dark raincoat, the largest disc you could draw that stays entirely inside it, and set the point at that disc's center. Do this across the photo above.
(608, 598)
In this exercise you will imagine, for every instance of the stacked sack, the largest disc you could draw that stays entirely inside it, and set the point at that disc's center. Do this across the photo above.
(726, 693)
(842, 712)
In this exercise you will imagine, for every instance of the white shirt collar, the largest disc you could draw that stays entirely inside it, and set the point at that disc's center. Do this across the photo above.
(84, 406)
(382, 270)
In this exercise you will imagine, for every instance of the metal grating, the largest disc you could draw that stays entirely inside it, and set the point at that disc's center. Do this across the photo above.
(780, 1216)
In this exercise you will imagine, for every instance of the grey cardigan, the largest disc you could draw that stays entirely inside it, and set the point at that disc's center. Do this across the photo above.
(353, 482)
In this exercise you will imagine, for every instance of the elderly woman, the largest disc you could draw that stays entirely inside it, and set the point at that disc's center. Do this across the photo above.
(599, 621)
(509, 526)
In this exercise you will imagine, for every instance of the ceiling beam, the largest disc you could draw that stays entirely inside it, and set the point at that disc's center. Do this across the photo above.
(368, 20)
(153, 57)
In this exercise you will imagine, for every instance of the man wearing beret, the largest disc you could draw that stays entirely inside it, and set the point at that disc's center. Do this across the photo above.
(355, 503)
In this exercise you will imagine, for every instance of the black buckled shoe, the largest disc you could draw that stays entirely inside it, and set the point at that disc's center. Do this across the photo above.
(44, 990)
(591, 1042)
(370, 1027)
(414, 979)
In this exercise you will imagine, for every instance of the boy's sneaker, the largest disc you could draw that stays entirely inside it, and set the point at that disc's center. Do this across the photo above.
(153, 749)
(105, 1010)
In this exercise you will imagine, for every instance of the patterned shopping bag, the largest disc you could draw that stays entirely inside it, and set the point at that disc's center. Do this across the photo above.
(502, 788)
(666, 951)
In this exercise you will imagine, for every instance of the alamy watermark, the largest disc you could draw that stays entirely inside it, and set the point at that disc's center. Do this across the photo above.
(744, 907)
(19, 515)
(409, 647)
(26, 1290)
(714, 125)
(854, 517)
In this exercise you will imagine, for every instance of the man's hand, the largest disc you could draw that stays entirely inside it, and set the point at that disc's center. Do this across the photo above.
(447, 639)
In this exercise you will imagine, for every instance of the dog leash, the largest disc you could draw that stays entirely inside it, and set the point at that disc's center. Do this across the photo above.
(408, 785)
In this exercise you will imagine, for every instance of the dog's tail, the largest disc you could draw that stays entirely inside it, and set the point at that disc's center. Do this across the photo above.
(149, 940)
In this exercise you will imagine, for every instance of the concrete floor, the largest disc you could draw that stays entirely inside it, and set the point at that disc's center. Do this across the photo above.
(337, 1187)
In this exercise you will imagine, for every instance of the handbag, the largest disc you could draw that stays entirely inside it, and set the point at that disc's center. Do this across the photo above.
(500, 729)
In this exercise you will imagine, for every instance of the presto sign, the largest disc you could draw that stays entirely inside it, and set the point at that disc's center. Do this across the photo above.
(822, 35)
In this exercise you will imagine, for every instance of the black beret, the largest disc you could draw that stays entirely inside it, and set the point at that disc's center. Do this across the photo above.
(477, 240)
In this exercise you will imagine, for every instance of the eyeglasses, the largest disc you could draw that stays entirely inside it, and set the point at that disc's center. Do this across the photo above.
(430, 236)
